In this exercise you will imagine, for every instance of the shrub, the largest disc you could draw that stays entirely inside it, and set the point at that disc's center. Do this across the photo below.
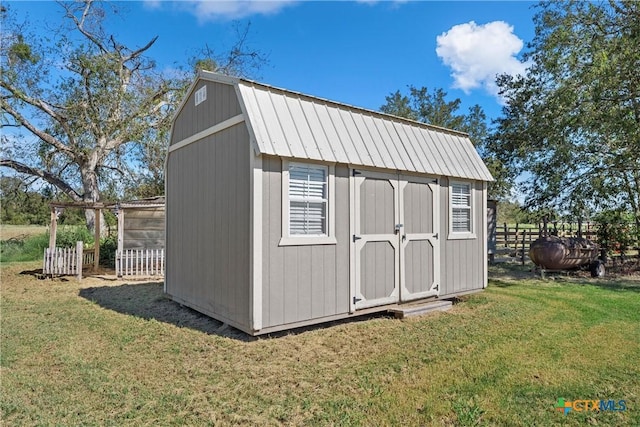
(108, 246)
(616, 231)
(28, 249)
(68, 236)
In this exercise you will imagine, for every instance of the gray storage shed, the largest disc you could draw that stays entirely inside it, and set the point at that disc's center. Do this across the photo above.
(285, 210)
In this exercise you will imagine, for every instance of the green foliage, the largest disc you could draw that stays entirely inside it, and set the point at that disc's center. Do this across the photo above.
(108, 247)
(617, 231)
(31, 248)
(66, 237)
(514, 213)
(434, 108)
(573, 122)
(22, 206)
(28, 249)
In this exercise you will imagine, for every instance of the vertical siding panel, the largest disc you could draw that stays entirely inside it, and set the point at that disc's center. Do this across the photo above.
(203, 198)
(304, 283)
(318, 284)
(339, 264)
(445, 274)
(216, 177)
(241, 253)
(276, 260)
(290, 289)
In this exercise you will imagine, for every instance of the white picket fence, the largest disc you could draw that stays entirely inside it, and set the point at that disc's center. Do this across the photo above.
(63, 261)
(140, 262)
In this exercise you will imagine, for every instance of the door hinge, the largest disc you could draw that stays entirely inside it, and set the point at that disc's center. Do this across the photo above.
(437, 287)
(356, 238)
(435, 181)
(355, 300)
(355, 172)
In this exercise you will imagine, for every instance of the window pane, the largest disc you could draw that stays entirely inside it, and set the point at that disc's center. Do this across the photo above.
(461, 220)
(307, 218)
(461, 195)
(307, 182)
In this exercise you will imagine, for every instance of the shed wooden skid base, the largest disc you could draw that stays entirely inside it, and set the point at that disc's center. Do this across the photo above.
(400, 311)
(420, 308)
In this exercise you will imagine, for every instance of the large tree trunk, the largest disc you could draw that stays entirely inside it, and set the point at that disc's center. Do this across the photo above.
(90, 217)
(92, 195)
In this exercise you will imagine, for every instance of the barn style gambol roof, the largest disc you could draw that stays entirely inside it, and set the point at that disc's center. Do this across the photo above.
(294, 125)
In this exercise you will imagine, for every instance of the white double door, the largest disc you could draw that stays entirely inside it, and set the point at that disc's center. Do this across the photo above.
(395, 243)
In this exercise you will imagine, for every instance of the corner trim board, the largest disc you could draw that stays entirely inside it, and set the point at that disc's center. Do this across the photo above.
(256, 243)
(207, 132)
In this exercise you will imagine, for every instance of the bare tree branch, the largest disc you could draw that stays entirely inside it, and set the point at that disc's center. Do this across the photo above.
(47, 176)
(49, 139)
(80, 23)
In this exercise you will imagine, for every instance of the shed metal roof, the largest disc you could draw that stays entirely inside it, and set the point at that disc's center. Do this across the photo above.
(294, 125)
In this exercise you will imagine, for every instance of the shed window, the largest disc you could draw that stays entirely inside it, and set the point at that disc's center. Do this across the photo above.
(307, 206)
(308, 187)
(461, 210)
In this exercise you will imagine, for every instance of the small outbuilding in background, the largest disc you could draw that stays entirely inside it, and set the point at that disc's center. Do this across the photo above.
(285, 210)
(141, 236)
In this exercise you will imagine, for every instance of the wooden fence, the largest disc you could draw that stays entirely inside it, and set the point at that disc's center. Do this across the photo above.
(64, 261)
(514, 241)
(140, 262)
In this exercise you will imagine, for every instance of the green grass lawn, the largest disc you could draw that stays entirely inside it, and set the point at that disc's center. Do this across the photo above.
(10, 231)
(105, 352)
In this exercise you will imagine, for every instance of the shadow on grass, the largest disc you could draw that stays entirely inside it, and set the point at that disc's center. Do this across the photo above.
(502, 283)
(631, 284)
(617, 284)
(148, 301)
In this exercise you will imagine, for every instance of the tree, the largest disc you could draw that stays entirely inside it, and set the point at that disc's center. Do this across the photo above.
(572, 124)
(96, 110)
(21, 206)
(434, 108)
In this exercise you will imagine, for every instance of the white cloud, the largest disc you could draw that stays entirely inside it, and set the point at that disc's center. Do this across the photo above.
(207, 10)
(477, 53)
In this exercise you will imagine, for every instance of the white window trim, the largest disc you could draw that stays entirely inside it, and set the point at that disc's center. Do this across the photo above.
(458, 235)
(296, 240)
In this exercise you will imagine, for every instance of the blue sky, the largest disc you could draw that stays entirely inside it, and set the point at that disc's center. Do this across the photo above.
(351, 52)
